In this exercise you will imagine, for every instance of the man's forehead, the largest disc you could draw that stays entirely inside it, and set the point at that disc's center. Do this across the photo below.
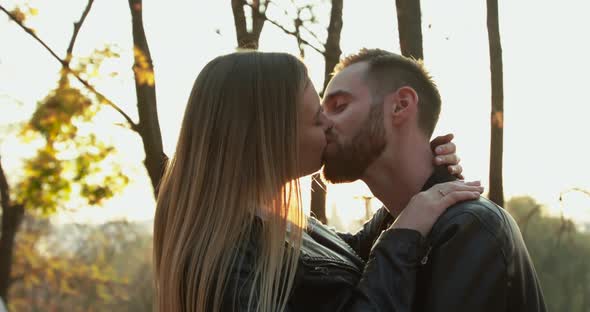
(348, 80)
(352, 74)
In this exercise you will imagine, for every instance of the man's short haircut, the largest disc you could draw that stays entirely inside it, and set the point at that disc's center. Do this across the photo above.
(388, 72)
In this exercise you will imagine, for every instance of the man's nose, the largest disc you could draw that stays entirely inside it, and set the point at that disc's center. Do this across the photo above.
(326, 122)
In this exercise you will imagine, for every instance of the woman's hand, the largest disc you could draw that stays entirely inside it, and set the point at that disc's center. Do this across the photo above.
(425, 207)
(446, 154)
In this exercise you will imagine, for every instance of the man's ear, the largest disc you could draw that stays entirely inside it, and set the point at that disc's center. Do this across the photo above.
(404, 103)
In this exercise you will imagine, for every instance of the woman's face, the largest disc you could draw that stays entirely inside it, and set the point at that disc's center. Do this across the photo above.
(312, 131)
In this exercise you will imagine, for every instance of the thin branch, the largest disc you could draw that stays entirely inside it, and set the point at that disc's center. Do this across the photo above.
(294, 34)
(77, 27)
(32, 33)
(67, 68)
(288, 32)
(298, 36)
(577, 189)
(102, 97)
(311, 33)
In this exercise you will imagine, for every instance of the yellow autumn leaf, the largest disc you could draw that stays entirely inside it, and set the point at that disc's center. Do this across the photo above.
(144, 76)
(144, 73)
(19, 15)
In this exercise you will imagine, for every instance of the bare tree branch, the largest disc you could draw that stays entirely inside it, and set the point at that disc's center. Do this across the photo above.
(288, 32)
(31, 32)
(77, 27)
(303, 26)
(311, 33)
(245, 38)
(298, 24)
(69, 70)
(574, 189)
(103, 98)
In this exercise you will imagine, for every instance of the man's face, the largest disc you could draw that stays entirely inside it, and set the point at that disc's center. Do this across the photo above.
(357, 137)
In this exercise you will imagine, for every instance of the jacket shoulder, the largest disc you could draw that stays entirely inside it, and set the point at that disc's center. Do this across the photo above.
(477, 215)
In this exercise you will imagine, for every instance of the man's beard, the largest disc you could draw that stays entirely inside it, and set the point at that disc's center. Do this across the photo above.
(350, 161)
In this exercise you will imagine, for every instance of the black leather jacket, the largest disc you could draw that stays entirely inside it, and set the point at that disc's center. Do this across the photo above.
(473, 260)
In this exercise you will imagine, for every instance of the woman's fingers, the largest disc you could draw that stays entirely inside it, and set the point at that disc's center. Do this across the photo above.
(447, 188)
(455, 169)
(458, 196)
(441, 140)
(454, 192)
(425, 207)
(447, 159)
(446, 149)
(456, 185)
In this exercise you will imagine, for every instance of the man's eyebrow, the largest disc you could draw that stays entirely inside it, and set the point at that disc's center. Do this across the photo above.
(336, 93)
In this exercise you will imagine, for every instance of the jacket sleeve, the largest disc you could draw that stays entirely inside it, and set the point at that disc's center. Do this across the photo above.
(364, 239)
(389, 279)
(467, 270)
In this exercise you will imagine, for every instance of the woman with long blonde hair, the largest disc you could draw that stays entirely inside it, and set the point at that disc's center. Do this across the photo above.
(229, 231)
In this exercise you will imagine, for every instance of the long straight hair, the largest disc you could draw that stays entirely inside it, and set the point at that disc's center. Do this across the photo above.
(236, 158)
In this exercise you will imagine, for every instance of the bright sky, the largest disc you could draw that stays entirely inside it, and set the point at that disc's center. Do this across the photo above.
(545, 78)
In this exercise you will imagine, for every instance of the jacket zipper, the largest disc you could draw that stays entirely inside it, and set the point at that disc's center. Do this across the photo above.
(322, 266)
(425, 258)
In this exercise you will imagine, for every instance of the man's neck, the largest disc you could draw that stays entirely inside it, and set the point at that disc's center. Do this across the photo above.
(394, 180)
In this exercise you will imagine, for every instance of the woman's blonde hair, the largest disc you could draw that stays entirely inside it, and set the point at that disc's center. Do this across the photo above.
(236, 158)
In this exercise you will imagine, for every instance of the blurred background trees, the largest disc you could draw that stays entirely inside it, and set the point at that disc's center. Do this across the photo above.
(560, 253)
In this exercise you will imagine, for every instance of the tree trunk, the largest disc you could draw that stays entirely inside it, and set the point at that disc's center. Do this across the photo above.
(332, 47)
(11, 220)
(248, 39)
(496, 193)
(12, 216)
(409, 23)
(332, 57)
(149, 126)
